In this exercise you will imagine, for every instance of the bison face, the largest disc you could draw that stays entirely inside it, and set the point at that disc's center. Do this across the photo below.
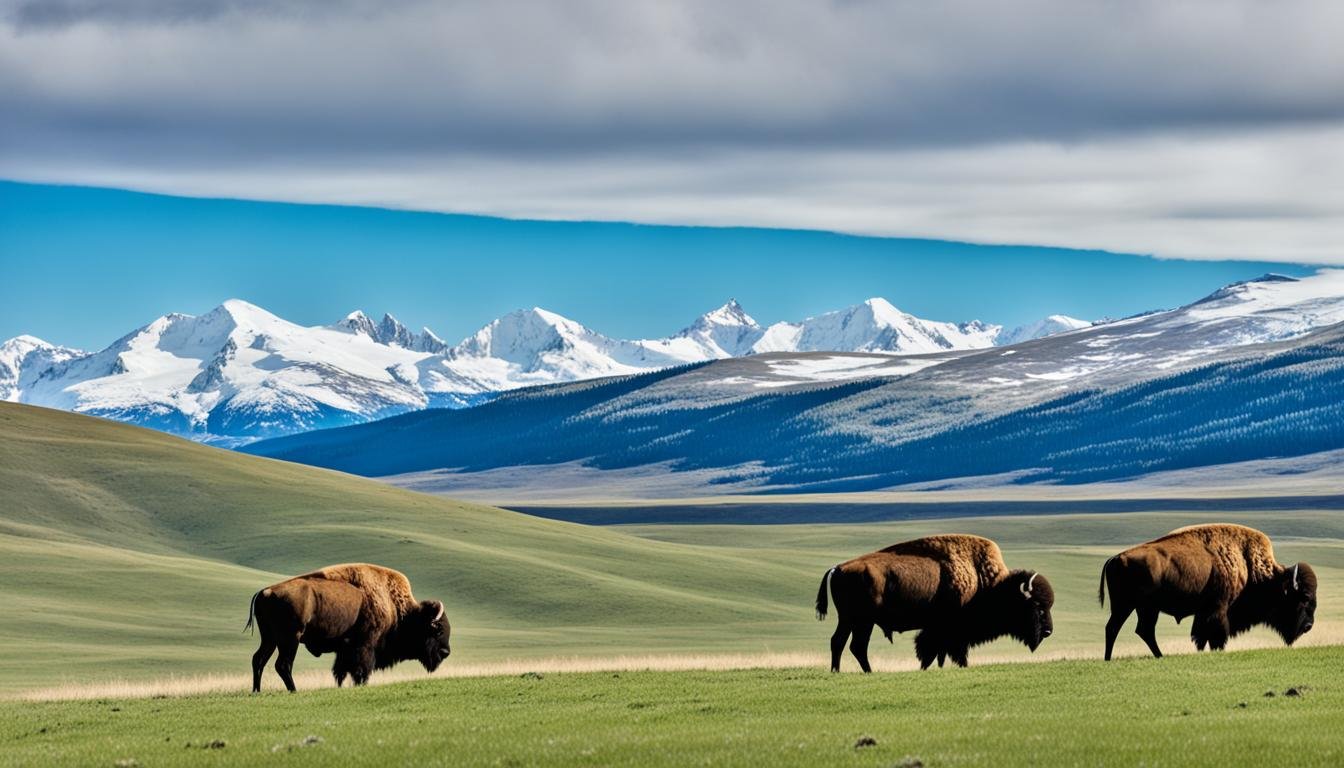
(434, 625)
(1035, 598)
(1296, 607)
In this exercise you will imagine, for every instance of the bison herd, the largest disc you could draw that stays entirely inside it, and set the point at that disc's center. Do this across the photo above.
(954, 589)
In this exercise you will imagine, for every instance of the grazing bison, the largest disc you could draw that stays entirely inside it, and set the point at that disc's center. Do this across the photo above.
(365, 614)
(955, 588)
(1222, 574)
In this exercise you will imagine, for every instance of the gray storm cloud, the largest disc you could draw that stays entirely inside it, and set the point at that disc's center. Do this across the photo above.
(1182, 129)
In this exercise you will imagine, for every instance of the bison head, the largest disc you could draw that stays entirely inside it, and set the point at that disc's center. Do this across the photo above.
(1032, 598)
(1295, 602)
(431, 630)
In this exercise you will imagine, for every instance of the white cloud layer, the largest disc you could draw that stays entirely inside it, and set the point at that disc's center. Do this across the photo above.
(1199, 130)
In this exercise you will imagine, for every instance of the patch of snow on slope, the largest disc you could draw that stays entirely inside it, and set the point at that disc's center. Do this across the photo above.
(1040, 329)
(842, 368)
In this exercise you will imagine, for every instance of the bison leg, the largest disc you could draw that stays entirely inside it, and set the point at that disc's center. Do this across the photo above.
(928, 646)
(361, 666)
(1119, 614)
(345, 665)
(1147, 629)
(1213, 629)
(284, 663)
(259, 660)
(859, 645)
(838, 643)
(942, 657)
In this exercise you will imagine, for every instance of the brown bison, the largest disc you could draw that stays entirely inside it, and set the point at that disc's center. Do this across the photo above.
(1222, 574)
(365, 614)
(954, 588)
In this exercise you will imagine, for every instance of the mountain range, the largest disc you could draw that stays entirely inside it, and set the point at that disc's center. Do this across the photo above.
(239, 372)
(1252, 371)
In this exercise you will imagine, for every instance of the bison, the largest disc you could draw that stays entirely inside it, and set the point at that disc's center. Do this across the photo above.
(955, 588)
(1222, 574)
(365, 614)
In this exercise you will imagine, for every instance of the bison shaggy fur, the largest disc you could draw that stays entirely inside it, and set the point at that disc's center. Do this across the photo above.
(365, 614)
(954, 588)
(1223, 575)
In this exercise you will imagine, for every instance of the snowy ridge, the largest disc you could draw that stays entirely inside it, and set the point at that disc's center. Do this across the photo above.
(1040, 329)
(875, 326)
(1229, 378)
(24, 358)
(239, 372)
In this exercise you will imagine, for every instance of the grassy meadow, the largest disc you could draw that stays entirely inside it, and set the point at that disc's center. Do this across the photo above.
(1226, 709)
(126, 554)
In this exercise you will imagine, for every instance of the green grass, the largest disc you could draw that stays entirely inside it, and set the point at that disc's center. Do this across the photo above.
(1189, 710)
(129, 554)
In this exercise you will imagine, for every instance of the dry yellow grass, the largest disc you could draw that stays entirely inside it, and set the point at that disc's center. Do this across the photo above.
(195, 685)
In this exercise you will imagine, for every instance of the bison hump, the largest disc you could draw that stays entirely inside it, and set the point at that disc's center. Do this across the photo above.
(969, 563)
(1239, 554)
(387, 590)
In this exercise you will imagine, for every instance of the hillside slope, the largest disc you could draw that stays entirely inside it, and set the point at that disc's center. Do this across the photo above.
(1107, 402)
(127, 553)
(124, 551)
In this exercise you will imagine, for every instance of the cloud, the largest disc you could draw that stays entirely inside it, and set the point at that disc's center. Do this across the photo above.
(1184, 129)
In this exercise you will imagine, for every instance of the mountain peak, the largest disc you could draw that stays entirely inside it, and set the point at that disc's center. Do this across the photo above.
(883, 311)
(521, 336)
(25, 340)
(392, 332)
(724, 332)
(240, 309)
(358, 322)
(1242, 287)
(730, 313)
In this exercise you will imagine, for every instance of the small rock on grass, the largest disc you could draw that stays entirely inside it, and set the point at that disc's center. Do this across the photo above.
(306, 741)
(1293, 692)
(909, 761)
(865, 741)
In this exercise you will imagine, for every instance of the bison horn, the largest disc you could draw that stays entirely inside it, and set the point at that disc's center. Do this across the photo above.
(1295, 576)
(438, 615)
(1026, 588)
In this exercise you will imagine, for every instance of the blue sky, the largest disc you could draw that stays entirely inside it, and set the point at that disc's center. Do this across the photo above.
(81, 266)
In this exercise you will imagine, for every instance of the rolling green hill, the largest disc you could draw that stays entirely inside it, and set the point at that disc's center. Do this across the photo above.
(126, 553)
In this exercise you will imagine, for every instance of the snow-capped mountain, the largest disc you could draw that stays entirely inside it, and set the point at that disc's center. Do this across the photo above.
(725, 332)
(235, 372)
(1252, 371)
(1040, 329)
(24, 358)
(390, 331)
(874, 326)
(239, 372)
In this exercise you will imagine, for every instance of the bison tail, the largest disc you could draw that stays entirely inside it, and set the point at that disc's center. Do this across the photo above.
(1101, 588)
(251, 610)
(822, 602)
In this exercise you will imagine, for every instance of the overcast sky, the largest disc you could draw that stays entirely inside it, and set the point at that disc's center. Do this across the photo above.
(1181, 129)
